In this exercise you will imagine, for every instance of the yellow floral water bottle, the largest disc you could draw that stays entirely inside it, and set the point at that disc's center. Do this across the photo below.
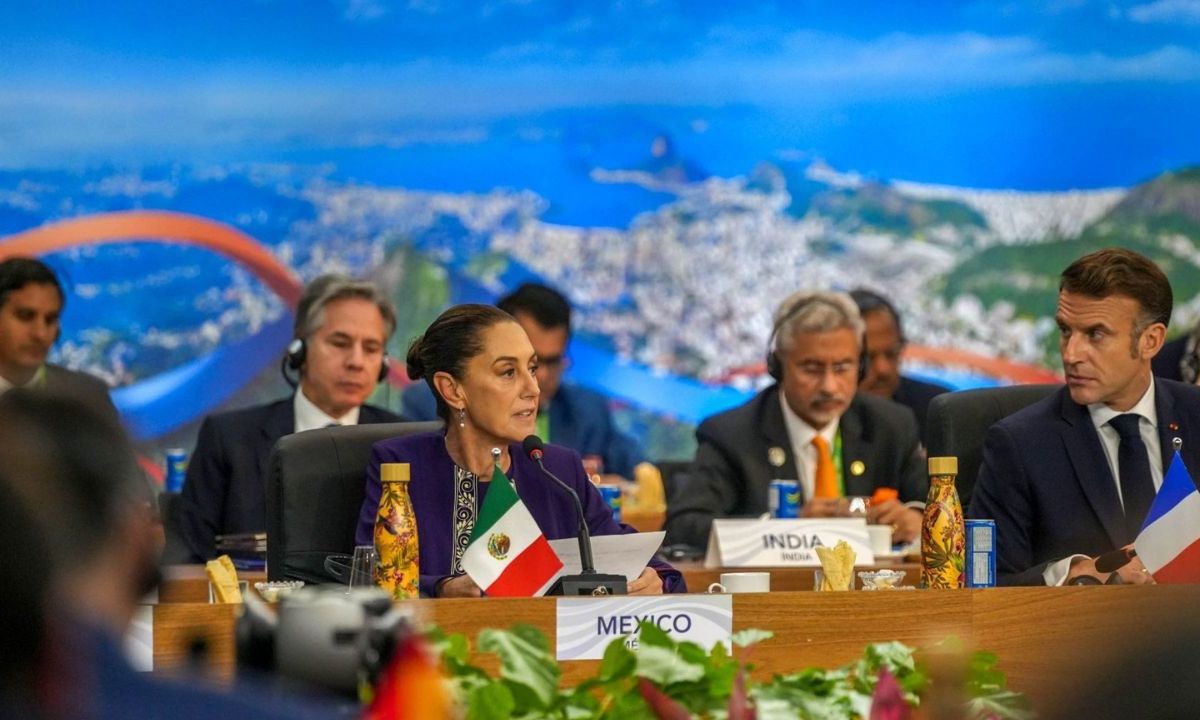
(397, 570)
(943, 537)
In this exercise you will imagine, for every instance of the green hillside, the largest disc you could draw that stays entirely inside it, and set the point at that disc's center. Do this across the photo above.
(879, 207)
(1159, 219)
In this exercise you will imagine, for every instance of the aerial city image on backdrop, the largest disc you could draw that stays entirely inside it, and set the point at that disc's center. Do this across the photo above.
(676, 169)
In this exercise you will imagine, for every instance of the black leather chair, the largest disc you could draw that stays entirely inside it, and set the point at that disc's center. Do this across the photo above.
(674, 475)
(957, 423)
(315, 492)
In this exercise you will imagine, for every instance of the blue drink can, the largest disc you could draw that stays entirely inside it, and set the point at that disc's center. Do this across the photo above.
(783, 497)
(612, 495)
(980, 563)
(176, 470)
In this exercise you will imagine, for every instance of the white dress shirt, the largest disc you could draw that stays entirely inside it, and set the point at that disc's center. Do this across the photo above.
(1110, 440)
(801, 435)
(311, 417)
(38, 378)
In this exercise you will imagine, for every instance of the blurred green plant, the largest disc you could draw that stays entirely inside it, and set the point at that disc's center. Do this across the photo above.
(664, 678)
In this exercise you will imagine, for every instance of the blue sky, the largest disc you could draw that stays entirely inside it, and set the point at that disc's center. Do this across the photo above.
(90, 80)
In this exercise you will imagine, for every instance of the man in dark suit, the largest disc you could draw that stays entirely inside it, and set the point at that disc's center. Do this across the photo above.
(342, 328)
(568, 414)
(810, 426)
(885, 344)
(31, 305)
(1073, 476)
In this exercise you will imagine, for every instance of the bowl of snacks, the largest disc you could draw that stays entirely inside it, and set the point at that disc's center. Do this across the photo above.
(881, 579)
(277, 590)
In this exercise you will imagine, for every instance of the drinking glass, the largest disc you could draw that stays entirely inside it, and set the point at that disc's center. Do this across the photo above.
(362, 567)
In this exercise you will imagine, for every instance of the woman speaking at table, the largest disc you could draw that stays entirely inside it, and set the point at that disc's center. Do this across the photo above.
(480, 365)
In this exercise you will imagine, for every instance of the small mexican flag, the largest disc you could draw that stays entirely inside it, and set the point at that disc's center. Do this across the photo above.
(508, 555)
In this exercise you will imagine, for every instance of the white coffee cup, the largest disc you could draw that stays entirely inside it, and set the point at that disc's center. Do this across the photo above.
(742, 582)
(880, 537)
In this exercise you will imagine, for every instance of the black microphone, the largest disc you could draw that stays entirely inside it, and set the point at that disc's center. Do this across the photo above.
(1115, 560)
(588, 581)
(532, 446)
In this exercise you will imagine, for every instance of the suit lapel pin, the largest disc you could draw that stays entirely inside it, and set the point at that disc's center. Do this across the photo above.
(1173, 426)
(776, 456)
(858, 467)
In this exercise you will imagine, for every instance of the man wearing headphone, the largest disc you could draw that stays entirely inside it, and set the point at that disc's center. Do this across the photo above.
(31, 305)
(338, 351)
(810, 425)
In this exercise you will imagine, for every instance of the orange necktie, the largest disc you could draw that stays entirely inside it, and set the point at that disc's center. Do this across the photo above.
(827, 484)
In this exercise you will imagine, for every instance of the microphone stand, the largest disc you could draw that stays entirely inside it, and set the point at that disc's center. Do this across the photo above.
(588, 581)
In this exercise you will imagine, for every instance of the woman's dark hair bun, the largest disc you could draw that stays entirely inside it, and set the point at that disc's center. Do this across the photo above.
(415, 363)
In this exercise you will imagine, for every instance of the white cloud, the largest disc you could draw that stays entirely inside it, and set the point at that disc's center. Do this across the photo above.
(907, 63)
(396, 140)
(360, 10)
(426, 100)
(1166, 11)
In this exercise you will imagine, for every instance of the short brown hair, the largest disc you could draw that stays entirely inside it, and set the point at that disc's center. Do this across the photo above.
(1117, 271)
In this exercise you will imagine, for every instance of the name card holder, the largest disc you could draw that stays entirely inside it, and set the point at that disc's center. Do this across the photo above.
(586, 626)
(775, 542)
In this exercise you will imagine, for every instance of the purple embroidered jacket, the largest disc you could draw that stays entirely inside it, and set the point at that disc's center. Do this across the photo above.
(431, 490)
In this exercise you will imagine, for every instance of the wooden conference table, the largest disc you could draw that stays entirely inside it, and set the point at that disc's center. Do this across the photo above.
(187, 583)
(1039, 634)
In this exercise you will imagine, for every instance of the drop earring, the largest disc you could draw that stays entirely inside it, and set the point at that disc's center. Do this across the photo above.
(462, 417)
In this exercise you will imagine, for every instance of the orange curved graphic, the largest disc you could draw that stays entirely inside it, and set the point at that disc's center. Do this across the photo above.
(1019, 373)
(160, 226)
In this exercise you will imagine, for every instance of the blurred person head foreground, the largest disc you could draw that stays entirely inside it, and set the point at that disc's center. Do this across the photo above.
(74, 468)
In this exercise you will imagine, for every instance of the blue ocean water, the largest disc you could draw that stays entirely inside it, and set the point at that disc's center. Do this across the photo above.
(1034, 139)
(1026, 139)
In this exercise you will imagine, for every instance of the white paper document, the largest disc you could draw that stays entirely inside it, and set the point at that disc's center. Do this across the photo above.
(626, 555)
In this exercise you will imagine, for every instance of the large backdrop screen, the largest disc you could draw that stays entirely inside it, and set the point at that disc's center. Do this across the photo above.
(675, 168)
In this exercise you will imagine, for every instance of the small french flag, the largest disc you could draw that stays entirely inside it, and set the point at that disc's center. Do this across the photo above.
(1169, 543)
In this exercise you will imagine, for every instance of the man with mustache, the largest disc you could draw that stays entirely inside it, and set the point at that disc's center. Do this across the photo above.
(339, 347)
(885, 345)
(1073, 476)
(811, 425)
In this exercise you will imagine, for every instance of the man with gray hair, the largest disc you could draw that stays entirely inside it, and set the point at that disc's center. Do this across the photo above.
(338, 351)
(810, 425)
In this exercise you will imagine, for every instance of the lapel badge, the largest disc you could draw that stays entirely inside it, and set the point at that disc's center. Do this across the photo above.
(776, 456)
(857, 468)
(1173, 427)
